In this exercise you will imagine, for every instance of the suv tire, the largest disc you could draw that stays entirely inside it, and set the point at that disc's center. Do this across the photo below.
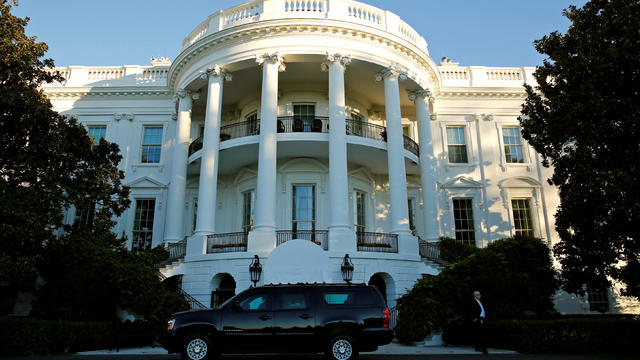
(342, 347)
(197, 346)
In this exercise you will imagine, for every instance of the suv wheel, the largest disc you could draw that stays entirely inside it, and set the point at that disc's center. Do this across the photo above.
(342, 348)
(197, 347)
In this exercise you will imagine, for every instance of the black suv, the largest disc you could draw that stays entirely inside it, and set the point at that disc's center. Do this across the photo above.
(340, 320)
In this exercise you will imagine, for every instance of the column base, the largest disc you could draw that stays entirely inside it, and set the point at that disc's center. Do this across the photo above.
(408, 244)
(197, 245)
(261, 240)
(342, 239)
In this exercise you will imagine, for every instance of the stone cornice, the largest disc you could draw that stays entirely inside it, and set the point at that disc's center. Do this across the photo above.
(93, 91)
(513, 93)
(270, 28)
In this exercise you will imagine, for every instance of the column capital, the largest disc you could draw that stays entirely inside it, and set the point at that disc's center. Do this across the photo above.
(183, 93)
(343, 60)
(216, 71)
(420, 93)
(392, 71)
(273, 59)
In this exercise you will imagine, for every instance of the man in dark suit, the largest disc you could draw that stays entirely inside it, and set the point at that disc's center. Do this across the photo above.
(478, 322)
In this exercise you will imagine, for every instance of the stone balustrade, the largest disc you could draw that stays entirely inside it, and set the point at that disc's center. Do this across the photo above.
(482, 76)
(343, 10)
(111, 76)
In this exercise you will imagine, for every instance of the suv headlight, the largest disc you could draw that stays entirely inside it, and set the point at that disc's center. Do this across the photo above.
(170, 324)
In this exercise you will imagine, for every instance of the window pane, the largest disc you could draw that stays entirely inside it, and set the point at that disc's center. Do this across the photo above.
(522, 217)
(457, 146)
(143, 224)
(293, 301)
(512, 145)
(151, 144)
(96, 133)
(463, 219)
(303, 211)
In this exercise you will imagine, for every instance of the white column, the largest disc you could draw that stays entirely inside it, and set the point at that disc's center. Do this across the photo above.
(174, 230)
(263, 236)
(395, 159)
(341, 234)
(427, 166)
(207, 193)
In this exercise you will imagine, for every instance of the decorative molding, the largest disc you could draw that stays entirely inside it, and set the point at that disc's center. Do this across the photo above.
(119, 117)
(106, 91)
(486, 117)
(343, 60)
(274, 58)
(216, 71)
(183, 93)
(392, 71)
(414, 94)
(434, 116)
(270, 29)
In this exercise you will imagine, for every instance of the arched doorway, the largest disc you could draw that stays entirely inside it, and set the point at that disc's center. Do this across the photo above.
(378, 281)
(224, 288)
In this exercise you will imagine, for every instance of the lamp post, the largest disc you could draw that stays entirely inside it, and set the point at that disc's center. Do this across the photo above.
(347, 269)
(255, 270)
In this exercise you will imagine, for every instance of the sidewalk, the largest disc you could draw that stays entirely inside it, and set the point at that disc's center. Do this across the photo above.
(390, 349)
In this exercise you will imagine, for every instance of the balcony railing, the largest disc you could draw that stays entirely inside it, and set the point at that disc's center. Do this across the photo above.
(377, 242)
(229, 242)
(319, 237)
(318, 124)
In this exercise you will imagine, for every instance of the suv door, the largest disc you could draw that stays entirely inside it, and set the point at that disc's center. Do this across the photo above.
(294, 320)
(247, 322)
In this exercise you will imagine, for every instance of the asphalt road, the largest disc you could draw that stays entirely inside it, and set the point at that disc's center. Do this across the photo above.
(319, 357)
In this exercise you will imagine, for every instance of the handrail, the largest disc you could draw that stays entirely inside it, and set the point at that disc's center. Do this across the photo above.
(193, 303)
(319, 237)
(393, 317)
(377, 242)
(431, 252)
(318, 124)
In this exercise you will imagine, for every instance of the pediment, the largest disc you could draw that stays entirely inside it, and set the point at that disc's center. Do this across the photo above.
(462, 182)
(520, 182)
(146, 182)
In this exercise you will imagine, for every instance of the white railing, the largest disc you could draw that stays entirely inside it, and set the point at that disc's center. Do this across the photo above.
(455, 74)
(305, 5)
(105, 74)
(504, 74)
(152, 75)
(344, 10)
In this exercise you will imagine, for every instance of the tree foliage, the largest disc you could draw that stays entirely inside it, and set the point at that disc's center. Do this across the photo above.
(584, 119)
(514, 275)
(48, 164)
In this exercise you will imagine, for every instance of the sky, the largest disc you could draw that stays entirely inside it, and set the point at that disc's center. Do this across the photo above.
(130, 32)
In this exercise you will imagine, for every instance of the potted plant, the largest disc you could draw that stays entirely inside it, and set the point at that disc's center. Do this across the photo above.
(224, 136)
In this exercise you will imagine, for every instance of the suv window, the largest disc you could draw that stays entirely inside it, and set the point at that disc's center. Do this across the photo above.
(255, 302)
(293, 301)
(349, 297)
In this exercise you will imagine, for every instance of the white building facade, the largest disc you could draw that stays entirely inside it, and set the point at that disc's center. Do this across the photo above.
(325, 121)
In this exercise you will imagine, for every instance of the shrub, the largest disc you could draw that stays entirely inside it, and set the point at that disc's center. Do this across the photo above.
(22, 336)
(566, 335)
(453, 250)
(515, 276)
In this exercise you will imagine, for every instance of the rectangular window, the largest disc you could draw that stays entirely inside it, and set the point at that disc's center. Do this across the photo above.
(84, 217)
(292, 301)
(360, 214)
(143, 224)
(349, 297)
(96, 132)
(247, 210)
(522, 217)
(357, 124)
(412, 216)
(304, 209)
(195, 215)
(405, 130)
(463, 218)
(512, 145)
(151, 144)
(303, 116)
(456, 145)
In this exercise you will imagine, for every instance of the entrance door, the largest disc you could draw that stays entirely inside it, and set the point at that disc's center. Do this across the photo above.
(304, 212)
(377, 281)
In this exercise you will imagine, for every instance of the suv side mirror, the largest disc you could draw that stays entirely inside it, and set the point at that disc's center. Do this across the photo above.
(235, 306)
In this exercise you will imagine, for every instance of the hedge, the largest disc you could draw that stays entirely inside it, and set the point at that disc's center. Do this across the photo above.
(573, 335)
(26, 336)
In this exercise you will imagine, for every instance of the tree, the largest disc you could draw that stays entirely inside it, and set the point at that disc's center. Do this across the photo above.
(514, 275)
(584, 119)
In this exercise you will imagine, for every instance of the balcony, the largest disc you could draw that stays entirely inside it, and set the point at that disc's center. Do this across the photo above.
(377, 242)
(319, 237)
(226, 243)
(319, 124)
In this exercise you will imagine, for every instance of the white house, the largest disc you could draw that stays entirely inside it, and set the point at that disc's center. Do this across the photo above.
(321, 120)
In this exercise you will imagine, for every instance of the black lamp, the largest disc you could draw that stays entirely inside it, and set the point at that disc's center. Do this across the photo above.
(347, 269)
(255, 269)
